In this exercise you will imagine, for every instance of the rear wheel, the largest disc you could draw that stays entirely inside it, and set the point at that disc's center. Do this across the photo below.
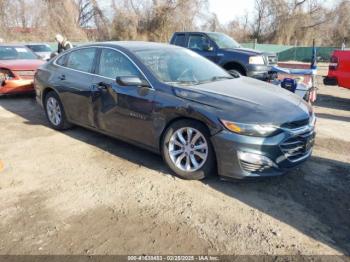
(187, 150)
(55, 112)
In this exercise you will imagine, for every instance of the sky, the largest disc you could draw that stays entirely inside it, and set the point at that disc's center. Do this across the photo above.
(226, 10)
(229, 9)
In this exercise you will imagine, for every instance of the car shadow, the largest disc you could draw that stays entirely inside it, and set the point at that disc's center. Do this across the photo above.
(334, 102)
(333, 117)
(313, 199)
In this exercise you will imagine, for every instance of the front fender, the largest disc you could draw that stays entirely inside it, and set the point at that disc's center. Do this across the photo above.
(172, 108)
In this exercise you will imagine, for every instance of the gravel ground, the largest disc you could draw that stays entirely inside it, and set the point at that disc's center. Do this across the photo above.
(78, 192)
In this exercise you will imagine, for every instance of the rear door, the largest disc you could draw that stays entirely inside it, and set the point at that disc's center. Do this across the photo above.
(124, 111)
(198, 42)
(75, 80)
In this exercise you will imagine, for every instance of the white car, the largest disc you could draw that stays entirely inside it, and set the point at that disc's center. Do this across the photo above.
(42, 50)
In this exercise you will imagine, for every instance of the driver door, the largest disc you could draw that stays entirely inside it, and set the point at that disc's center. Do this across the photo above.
(198, 42)
(123, 111)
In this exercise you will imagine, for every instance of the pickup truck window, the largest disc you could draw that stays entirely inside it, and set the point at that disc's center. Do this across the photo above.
(180, 40)
(223, 41)
(197, 42)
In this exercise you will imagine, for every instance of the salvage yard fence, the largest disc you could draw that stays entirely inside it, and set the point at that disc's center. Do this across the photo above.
(294, 53)
(284, 52)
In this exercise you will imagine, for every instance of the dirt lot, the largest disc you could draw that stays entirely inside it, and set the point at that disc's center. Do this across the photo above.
(79, 192)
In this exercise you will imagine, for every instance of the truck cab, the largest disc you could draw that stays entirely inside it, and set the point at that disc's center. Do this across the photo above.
(226, 52)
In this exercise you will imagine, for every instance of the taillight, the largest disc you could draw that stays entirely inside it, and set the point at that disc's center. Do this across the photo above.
(333, 65)
(5, 74)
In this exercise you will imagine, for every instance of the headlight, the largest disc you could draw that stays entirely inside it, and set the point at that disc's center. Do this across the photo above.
(312, 120)
(250, 129)
(256, 60)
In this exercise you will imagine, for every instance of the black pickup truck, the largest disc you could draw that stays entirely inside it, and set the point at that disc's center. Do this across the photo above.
(227, 53)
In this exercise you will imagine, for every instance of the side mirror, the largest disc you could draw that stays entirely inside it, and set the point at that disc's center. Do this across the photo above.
(207, 47)
(131, 81)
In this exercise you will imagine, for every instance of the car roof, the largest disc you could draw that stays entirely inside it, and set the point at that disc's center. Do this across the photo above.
(36, 44)
(12, 45)
(133, 45)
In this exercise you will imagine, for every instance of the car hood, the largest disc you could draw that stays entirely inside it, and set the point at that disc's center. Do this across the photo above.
(21, 64)
(248, 100)
(248, 51)
(43, 53)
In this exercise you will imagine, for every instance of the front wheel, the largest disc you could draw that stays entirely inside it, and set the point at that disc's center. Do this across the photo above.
(187, 150)
(235, 73)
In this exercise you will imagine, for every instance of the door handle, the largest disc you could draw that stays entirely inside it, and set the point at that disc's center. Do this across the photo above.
(62, 77)
(102, 85)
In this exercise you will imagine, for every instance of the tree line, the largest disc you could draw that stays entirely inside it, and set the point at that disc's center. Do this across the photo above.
(288, 22)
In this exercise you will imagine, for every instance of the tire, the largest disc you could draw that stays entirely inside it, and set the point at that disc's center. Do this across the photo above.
(235, 73)
(201, 160)
(59, 121)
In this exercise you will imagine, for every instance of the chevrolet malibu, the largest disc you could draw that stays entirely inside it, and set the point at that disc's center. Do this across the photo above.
(17, 68)
(173, 101)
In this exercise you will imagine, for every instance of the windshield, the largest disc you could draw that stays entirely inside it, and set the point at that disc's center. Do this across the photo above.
(16, 52)
(223, 41)
(181, 66)
(40, 48)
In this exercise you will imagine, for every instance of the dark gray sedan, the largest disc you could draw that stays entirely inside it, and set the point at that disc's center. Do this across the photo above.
(173, 101)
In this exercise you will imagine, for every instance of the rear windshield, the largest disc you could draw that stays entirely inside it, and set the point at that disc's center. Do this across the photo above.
(16, 52)
(40, 48)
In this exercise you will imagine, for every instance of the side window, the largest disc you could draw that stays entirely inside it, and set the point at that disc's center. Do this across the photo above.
(114, 64)
(81, 59)
(62, 60)
(197, 42)
(180, 40)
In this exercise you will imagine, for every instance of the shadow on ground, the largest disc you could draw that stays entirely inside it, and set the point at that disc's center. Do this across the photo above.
(333, 102)
(333, 117)
(320, 188)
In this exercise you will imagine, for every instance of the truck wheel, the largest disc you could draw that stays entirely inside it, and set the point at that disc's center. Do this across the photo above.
(235, 73)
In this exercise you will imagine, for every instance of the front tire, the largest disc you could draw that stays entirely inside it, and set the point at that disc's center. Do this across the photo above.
(55, 112)
(235, 73)
(187, 150)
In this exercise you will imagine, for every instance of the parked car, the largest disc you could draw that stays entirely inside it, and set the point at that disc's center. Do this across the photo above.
(226, 52)
(17, 67)
(42, 50)
(173, 101)
(339, 69)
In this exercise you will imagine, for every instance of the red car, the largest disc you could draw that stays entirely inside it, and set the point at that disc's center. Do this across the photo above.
(339, 69)
(17, 68)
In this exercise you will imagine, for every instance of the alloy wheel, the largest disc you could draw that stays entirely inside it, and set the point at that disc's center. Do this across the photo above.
(188, 149)
(54, 111)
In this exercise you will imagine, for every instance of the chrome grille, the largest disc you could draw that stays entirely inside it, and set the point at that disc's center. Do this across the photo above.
(298, 147)
(296, 124)
(272, 59)
(253, 168)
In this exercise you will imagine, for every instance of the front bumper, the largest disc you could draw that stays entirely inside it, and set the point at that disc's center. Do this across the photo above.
(261, 72)
(16, 86)
(286, 150)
